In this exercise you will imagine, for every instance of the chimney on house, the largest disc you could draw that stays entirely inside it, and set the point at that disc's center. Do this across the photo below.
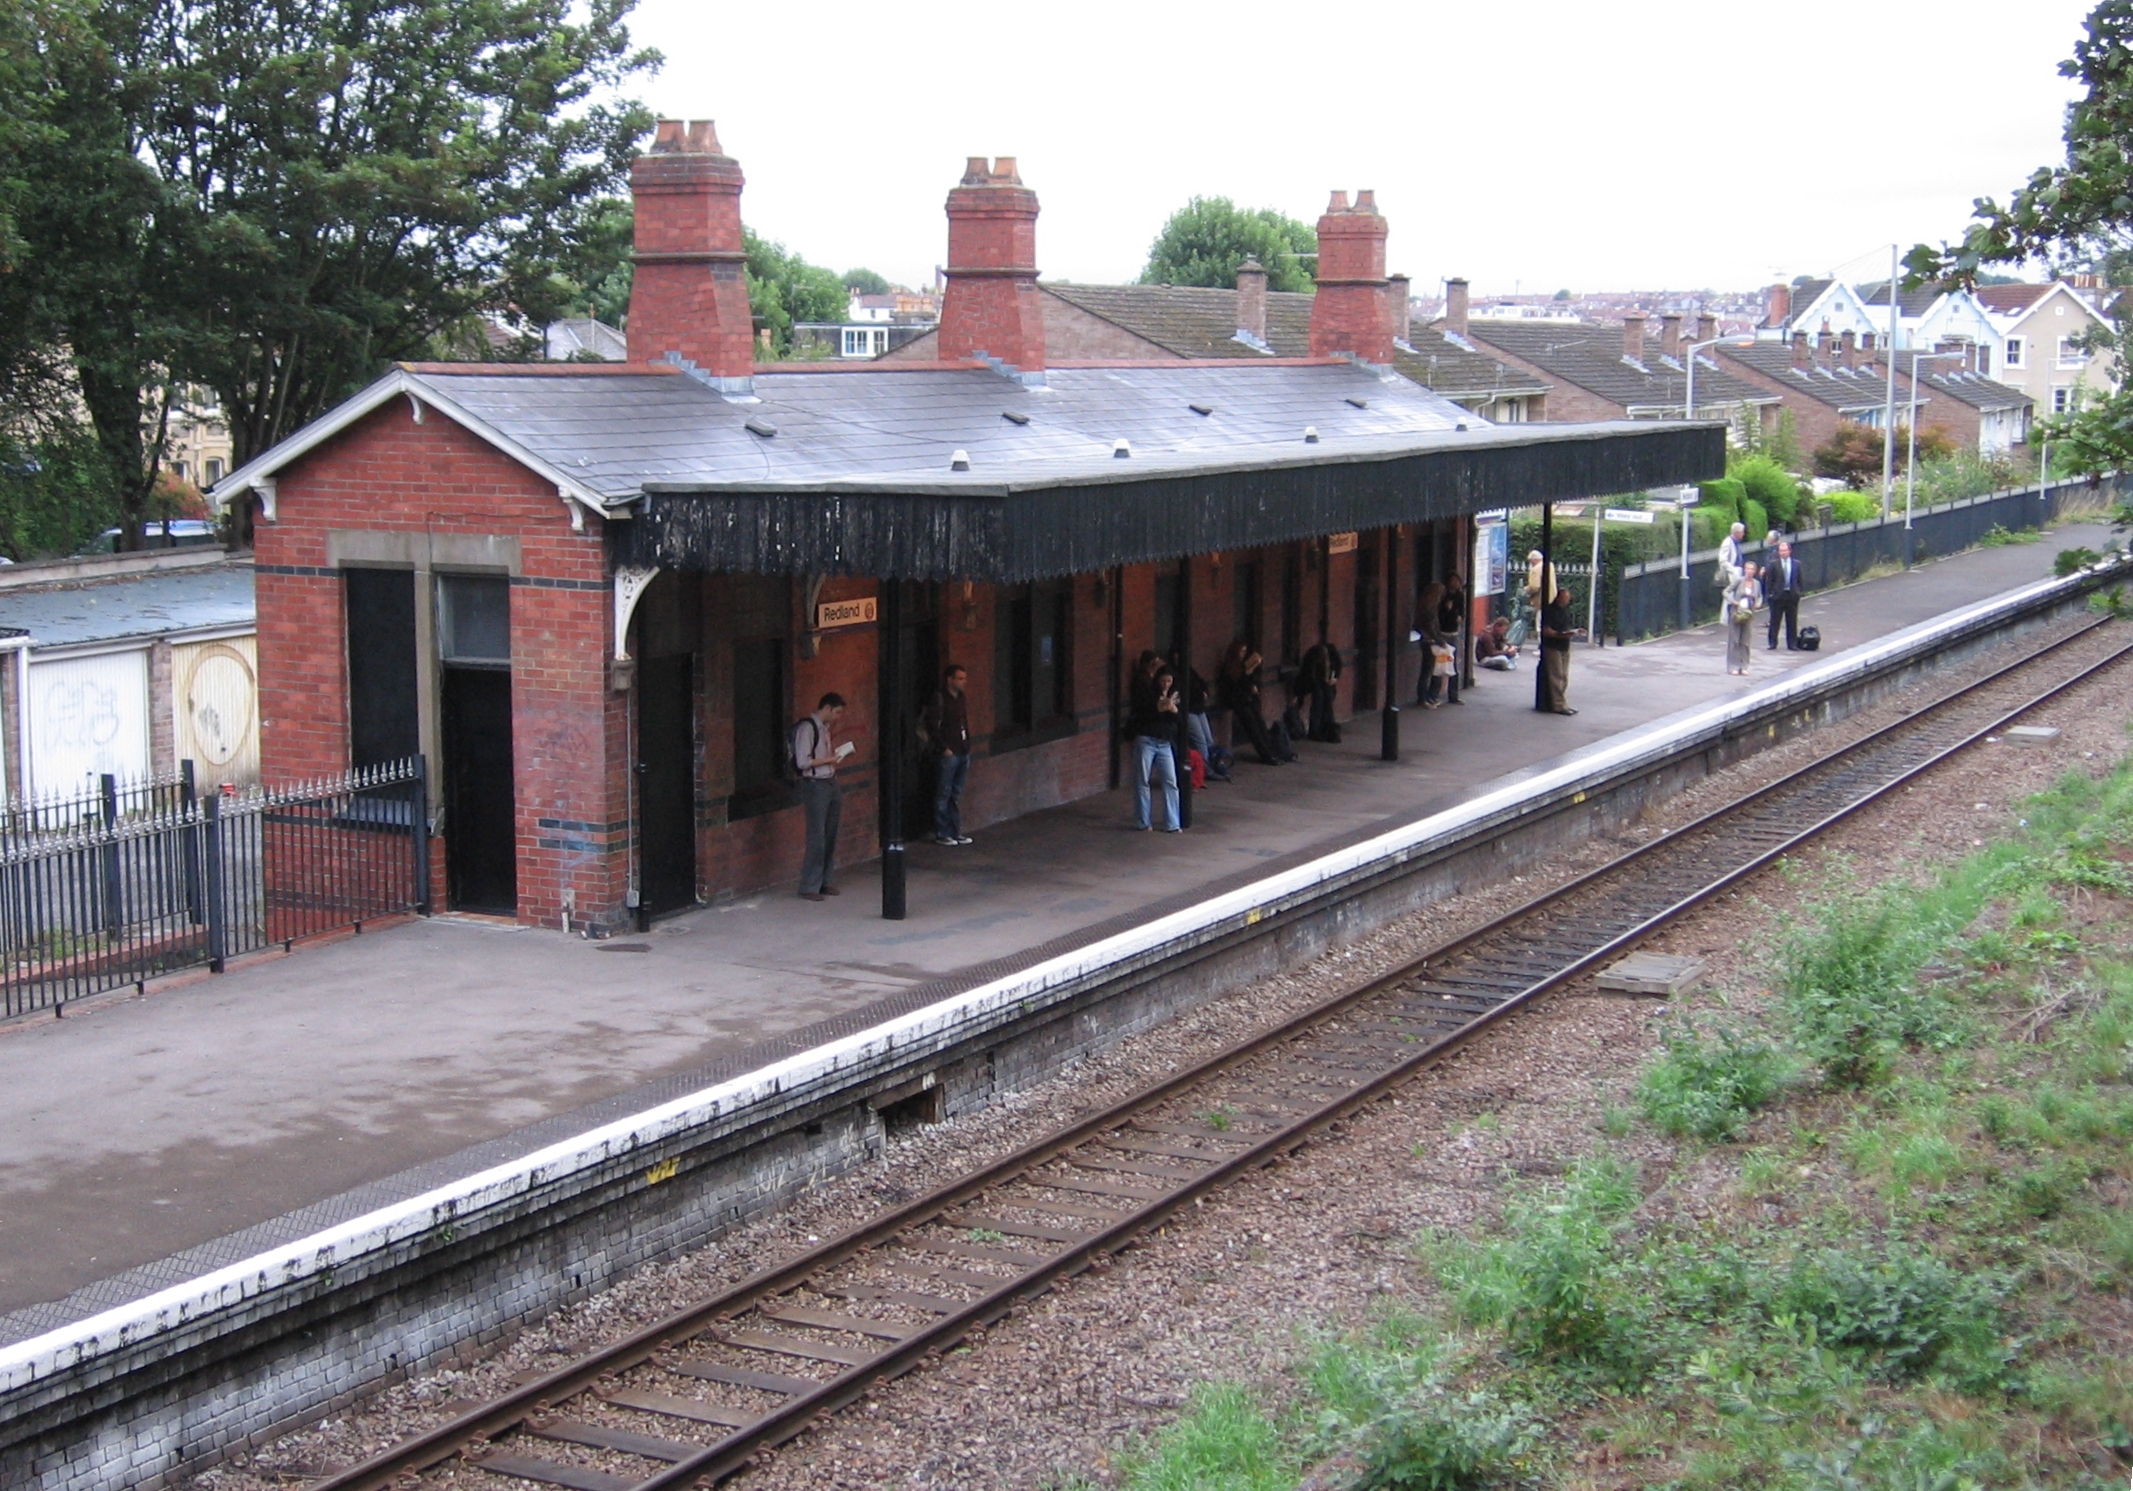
(992, 305)
(1706, 328)
(1251, 301)
(1848, 348)
(1633, 338)
(689, 297)
(1801, 356)
(1670, 334)
(1825, 343)
(1348, 312)
(1777, 305)
(1399, 293)
(1455, 307)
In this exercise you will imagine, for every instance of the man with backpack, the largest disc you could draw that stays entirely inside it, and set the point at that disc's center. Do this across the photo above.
(815, 754)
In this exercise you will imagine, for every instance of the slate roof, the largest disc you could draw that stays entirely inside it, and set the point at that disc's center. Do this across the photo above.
(1986, 395)
(2007, 300)
(1911, 303)
(1590, 355)
(170, 604)
(1847, 390)
(1195, 322)
(1803, 296)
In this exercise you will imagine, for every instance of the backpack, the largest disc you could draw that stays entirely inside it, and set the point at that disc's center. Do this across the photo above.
(792, 762)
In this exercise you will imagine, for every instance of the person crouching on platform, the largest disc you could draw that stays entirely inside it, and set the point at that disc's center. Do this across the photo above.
(815, 754)
(1493, 648)
(1155, 736)
(1557, 634)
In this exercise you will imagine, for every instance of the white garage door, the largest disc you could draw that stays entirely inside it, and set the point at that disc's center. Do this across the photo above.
(87, 716)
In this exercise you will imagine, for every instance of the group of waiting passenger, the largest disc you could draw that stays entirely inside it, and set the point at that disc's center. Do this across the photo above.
(1174, 738)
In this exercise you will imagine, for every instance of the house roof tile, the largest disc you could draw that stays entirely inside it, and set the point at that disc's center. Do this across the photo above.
(1590, 355)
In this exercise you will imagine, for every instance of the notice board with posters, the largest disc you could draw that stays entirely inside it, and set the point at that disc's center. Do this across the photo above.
(1492, 553)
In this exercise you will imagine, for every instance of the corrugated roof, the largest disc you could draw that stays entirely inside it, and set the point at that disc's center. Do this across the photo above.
(1197, 322)
(1846, 390)
(172, 603)
(1590, 356)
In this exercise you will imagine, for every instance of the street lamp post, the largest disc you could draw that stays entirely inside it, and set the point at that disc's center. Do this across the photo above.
(1888, 419)
(1686, 505)
(1910, 460)
(1688, 494)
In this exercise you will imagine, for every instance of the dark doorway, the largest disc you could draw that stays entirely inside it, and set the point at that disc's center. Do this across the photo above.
(382, 720)
(480, 807)
(921, 681)
(666, 783)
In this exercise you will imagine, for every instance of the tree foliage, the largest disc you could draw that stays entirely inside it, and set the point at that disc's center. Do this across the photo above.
(1854, 452)
(784, 289)
(2079, 212)
(865, 282)
(272, 201)
(1209, 238)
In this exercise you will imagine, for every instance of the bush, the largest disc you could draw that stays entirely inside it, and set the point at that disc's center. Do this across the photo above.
(1723, 495)
(1223, 1443)
(1446, 1444)
(1765, 481)
(1853, 507)
(1904, 1309)
(1709, 1087)
(1756, 518)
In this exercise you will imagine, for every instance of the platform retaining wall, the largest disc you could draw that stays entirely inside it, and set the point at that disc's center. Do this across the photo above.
(147, 1398)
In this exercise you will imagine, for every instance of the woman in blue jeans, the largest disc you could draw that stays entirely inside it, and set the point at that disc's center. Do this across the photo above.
(1156, 711)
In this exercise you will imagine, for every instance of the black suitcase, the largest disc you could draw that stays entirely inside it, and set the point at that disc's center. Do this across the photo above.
(1810, 639)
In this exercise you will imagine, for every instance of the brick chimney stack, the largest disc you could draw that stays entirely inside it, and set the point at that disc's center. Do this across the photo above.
(1825, 343)
(1399, 294)
(1707, 328)
(689, 297)
(1848, 349)
(1633, 337)
(992, 305)
(1456, 305)
(1348, 312)
(1670, 334)
(1801, 357)
(1251, 300)
(1777, 305)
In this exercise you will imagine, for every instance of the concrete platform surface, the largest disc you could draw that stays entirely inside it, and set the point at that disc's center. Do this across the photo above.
(380, 1063)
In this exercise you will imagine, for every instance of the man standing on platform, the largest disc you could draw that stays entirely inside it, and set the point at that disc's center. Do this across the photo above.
(1557, 633)
(947, 724)
(1782, 589)
(815, 754)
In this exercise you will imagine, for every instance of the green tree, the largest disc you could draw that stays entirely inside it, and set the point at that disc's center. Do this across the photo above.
(2077, 212)
(865, 282)
(274, 202)
(784, 289)
(1209, 238)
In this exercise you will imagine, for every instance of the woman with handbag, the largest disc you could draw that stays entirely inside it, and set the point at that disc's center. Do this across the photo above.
(1744, 597)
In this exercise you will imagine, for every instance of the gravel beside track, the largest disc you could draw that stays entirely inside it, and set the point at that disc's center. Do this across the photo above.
(1309, 1241)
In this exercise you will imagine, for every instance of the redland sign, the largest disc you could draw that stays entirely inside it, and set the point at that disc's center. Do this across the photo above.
(829, 615)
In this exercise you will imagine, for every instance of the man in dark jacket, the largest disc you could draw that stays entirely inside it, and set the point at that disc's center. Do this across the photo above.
(1557, 633)
(947, 726)
(1782, 588)
(1318, 680)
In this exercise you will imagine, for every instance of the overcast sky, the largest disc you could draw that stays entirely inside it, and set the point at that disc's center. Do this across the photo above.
(1640, 144)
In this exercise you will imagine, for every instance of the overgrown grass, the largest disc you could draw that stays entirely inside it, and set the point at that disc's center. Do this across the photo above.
(1911, 1271)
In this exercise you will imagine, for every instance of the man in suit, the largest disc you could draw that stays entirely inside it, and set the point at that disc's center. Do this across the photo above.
(1782, 589)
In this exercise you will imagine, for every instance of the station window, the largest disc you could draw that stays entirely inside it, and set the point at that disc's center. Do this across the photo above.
(1033, 673)
(759, 726)
(474, 620)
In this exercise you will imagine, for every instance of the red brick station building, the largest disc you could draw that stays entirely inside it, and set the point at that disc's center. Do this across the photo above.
(597, 595)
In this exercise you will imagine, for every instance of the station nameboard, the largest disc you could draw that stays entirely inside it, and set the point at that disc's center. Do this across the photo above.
(1341, 543)
(829, 615)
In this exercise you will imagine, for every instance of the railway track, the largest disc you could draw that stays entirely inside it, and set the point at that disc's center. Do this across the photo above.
(699, 1395)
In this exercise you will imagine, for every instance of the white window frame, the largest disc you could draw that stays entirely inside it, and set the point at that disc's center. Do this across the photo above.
(2071, 356)
(2062, 398)
(2015, 354)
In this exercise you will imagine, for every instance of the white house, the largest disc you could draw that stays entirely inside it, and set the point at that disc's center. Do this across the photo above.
(2040, 330)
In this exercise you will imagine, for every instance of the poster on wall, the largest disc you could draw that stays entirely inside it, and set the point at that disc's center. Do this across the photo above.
(88, 716)
(1492, 553)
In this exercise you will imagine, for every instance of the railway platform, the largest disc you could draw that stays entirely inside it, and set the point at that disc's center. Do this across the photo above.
(154, 1140)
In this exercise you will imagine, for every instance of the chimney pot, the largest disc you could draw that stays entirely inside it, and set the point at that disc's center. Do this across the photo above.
(1848, 349)
(1251, 299)
(1825, 344)
(1399, 300)
(1338, 202)
(1633, 337)
(1706, 328)
(1366, 200)
(1777, 305)
(1670, 334)
(689, 297)
(1455, 307)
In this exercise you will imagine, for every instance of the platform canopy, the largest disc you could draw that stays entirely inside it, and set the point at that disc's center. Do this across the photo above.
(961, 471)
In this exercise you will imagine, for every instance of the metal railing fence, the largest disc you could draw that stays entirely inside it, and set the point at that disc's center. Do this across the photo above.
(1645, 599)
(135, 879)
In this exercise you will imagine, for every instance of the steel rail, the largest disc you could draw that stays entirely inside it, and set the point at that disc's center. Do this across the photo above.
(527, 1403)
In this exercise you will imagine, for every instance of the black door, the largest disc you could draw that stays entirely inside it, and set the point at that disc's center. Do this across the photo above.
(921, 680)
(666, 783)
(481, 836)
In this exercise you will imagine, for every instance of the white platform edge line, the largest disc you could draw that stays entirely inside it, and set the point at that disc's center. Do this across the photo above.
(172, 1308)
